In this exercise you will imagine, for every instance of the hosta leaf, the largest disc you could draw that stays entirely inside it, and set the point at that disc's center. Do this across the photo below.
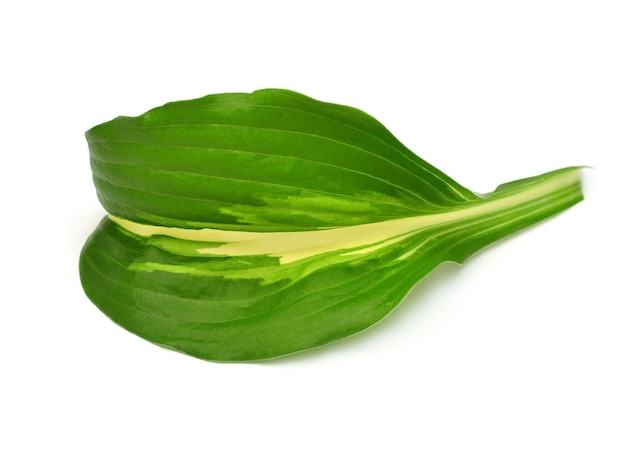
(249, 226)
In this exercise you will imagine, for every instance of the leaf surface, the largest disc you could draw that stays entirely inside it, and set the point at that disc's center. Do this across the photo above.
(249, 226)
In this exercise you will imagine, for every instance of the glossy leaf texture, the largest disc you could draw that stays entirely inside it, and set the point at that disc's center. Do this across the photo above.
(250, 226)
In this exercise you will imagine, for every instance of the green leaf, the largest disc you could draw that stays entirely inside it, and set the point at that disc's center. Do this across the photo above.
(249, 226)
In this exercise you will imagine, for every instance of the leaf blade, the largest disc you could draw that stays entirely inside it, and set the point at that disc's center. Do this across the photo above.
(222, 247)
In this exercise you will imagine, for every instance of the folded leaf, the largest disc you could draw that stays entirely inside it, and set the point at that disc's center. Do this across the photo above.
(249, 226)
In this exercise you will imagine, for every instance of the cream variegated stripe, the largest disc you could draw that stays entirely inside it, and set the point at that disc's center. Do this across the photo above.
(357, 239)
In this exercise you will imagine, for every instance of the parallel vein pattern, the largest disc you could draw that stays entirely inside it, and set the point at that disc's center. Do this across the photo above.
(249, 226)
(268, 136)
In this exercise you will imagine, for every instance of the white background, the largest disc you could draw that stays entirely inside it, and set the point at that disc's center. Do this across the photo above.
(516, 358)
